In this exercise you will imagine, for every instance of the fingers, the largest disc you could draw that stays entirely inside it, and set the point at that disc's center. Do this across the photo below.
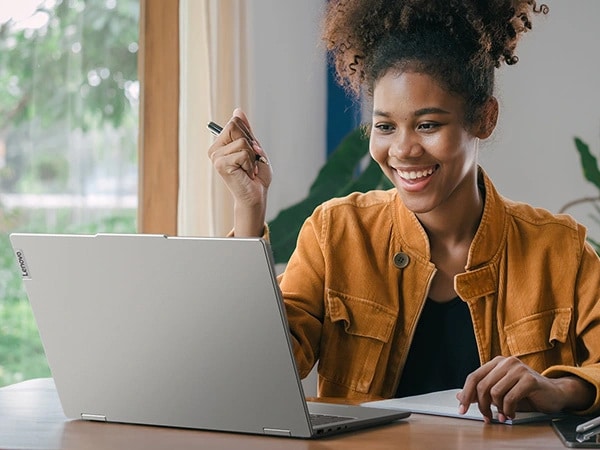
(244, 128)
(471, 394)
(234, 148)
(503, 382)
(238, 113)
(236, 155)
(239, 117)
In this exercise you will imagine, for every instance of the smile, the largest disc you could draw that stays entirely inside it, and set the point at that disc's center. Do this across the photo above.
(416, 174)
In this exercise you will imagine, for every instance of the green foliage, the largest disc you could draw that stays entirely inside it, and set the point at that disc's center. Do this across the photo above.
(21, 353)
(68, 118)
(342, 174)
(51, 170)
(591, 173)
(589, 163)
(60, 70)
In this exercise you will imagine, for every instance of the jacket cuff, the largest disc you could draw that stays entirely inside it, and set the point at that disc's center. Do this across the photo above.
(266, 233)
(590, 374)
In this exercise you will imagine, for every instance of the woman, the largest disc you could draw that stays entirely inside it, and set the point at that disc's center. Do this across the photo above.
(439, 283)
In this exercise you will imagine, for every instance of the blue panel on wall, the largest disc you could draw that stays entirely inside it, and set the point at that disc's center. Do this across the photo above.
(343, 112)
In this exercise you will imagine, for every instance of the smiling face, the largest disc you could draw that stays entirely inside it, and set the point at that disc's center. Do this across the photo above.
(421, 142)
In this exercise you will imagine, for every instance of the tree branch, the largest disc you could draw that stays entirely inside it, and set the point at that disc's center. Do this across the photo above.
(577, 202)
(13, 113)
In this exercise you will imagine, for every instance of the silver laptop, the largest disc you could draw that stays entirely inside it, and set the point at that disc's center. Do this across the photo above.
(172, 331)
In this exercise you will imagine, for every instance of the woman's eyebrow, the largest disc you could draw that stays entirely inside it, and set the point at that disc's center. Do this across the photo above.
(417, 113)
(378, 113)
(430, 110)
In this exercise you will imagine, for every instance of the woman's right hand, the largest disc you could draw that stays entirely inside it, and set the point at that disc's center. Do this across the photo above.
(234, 155)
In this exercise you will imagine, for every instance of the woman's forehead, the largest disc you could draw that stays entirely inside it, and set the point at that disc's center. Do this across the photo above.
(409, 91)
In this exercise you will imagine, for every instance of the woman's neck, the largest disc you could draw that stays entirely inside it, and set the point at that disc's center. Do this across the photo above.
(458, 219)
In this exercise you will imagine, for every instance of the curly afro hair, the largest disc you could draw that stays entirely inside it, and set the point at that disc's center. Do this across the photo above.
(457, 42)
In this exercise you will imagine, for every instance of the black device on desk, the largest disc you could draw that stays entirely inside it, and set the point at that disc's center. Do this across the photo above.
(565, 428)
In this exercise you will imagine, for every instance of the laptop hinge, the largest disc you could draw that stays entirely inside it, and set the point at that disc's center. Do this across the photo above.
(96, 417)
(276, 431)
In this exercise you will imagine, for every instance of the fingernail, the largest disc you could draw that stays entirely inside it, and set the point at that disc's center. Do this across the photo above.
(462, 409)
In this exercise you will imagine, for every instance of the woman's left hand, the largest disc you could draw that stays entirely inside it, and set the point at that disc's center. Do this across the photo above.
(511, 386)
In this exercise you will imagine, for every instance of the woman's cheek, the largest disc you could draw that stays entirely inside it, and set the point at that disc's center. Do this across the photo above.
(377, 153)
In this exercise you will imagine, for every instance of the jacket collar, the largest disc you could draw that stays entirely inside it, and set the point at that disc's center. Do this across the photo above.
(492, 228)
(487, 240)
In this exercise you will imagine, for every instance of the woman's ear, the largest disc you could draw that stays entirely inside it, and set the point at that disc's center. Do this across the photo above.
(488, 119)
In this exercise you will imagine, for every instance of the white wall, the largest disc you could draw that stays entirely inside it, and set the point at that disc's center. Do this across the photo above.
(288, 72)
(551, 95)
(288, 115)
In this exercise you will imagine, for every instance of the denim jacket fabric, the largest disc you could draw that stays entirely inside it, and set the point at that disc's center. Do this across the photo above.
(531, 283)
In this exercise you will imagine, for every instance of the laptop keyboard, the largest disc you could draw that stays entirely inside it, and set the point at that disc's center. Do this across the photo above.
(324, 419)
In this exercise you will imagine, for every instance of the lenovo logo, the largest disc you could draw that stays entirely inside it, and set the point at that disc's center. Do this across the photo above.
(22, 264)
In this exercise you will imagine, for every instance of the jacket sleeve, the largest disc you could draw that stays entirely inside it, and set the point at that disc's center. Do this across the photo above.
(302, 286)
(587, 326)
(266, 233)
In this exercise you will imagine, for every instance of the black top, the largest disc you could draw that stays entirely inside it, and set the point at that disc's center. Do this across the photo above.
(443, 351)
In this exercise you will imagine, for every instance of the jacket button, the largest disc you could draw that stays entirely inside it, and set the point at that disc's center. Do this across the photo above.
(401, 260)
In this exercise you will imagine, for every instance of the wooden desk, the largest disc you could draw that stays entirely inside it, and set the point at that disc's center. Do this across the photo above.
(31, 418)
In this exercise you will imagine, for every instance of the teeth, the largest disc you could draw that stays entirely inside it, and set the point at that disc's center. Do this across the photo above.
(413, 175)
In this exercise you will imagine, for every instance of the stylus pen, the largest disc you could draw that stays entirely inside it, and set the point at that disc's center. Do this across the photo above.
(582, 437)
(585, 426)
(216, 130)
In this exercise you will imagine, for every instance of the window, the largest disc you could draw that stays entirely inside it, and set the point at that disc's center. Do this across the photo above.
(69, 101)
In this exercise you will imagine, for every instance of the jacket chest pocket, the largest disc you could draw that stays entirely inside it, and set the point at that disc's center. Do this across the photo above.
(354, 333)
(539, 340)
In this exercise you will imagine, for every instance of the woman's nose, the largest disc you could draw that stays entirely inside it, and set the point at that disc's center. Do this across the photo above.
(405, 145)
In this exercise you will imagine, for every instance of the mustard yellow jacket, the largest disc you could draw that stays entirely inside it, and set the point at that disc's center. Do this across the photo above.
(356, 284)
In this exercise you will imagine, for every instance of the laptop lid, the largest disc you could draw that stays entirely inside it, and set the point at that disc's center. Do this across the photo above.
(170, 331)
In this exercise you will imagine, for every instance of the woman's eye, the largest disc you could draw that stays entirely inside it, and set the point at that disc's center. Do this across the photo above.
(428, 126)
(384, 127)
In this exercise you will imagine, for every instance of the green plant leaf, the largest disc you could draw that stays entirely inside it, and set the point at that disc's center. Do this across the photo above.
(589, 163)
(594, 244)
(342, 164)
